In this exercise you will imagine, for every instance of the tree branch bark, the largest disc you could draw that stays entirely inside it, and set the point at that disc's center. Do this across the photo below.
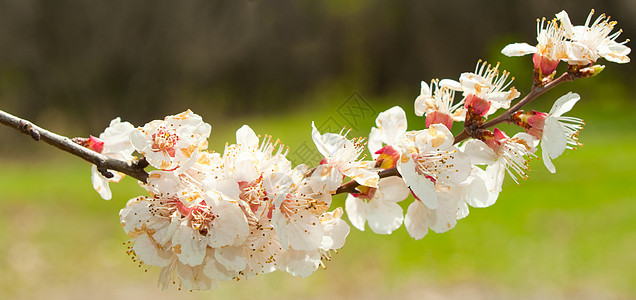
(134, 169)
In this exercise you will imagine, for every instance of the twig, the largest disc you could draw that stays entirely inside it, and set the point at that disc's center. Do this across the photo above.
(134, 169)
(537, 90)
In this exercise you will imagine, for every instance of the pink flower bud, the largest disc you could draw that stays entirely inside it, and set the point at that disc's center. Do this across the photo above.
(437, 117)
(479, 105)
(95, 144)
(544, 65)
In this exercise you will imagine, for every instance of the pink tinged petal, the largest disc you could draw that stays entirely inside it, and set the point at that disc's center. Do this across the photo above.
(518, 49)
(415, 220)
(564, 104)
(301, 263)
(375, 142)
(392, 124)
(554, 140)
(231, 258)
(148, 251)
(356, 211)
(384, 217)
(422, 187)
(245, 136)
(437, 117)
(188, 245)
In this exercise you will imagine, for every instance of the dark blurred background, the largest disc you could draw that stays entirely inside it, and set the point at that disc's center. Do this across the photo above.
(83, 62)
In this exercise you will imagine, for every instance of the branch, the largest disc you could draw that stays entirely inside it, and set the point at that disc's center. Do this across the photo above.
(134, 169)
(350, 187)
(537, 90)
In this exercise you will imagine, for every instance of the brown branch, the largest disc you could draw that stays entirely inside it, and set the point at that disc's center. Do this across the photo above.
(350, 187)
(134, 169)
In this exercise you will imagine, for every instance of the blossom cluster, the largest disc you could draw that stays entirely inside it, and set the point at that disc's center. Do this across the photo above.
(211, 217)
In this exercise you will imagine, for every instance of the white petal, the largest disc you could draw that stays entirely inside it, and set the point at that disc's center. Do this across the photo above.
(362, 172)
(518, 49)
(213, 269)
(301, 263)
(477, 193)
(414, 221)
(479, 152)
(564, 104)
(188, 245)
(231, 258)
(375, 142)
(245, 136)
(384, 217)
(229, 226)
(392, 189)
(356, 211)
(392, 124)
(100, 184)
(148, 251)
(553, 141)
(451, 84)
(421, 186)
(336, 230)
(547, 161)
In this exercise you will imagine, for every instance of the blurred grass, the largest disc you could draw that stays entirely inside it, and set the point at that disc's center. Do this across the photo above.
(568, 235)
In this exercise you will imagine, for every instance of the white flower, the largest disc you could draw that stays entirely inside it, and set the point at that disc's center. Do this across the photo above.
(551, 47)
(116, 144)
(511, 156)
(436, 102)
(484, 89)
(429, 158)
(593, 40)
(173, 142)
(378, 207)
(560, 132)
(342, 154)
(419, 217)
